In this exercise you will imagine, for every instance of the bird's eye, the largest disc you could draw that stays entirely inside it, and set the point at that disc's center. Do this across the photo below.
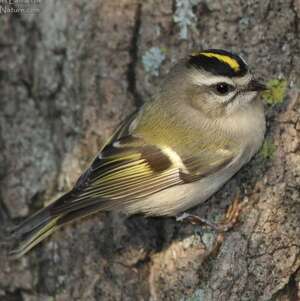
(222, 88)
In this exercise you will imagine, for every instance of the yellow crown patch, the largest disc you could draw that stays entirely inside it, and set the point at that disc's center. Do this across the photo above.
(233, 64)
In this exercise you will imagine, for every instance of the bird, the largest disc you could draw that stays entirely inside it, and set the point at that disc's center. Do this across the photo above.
(173, 153)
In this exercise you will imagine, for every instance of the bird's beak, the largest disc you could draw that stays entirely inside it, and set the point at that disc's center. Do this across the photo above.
(255, 85)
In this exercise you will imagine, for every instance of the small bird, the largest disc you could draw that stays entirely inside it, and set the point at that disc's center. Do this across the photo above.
(173, 153)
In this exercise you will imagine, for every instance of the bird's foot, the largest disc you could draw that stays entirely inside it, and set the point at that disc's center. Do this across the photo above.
(226, 224)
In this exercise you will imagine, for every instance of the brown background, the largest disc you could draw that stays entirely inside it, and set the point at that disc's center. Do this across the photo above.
(68, 75)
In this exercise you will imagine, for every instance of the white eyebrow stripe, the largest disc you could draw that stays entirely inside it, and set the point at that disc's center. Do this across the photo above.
(209, 79)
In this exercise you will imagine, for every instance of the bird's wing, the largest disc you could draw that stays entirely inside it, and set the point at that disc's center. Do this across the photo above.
(125, 170)
(128, 168)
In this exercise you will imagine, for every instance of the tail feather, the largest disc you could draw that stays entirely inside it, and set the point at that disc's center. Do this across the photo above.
(41, 217)
(34, 237)
(30, 224)
(42, 224)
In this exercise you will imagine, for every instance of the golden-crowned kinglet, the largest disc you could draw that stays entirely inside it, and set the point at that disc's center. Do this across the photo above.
(177, 150)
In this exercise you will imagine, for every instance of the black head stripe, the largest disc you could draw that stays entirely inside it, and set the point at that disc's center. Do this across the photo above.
(219, 62)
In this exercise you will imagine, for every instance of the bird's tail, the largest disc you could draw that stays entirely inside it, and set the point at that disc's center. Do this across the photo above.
(42, 224)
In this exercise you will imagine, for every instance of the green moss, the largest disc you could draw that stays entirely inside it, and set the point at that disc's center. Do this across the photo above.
(276, 91)
(164, 50)
(268, 150)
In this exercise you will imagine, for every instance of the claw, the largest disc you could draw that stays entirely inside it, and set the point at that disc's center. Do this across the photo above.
(226, 224)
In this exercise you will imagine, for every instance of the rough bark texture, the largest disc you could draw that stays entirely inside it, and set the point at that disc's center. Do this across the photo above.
(68, 76)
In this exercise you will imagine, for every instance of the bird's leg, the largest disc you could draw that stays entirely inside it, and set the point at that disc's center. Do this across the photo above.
(226, 224)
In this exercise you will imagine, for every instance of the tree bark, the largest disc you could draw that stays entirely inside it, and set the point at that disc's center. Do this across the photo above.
(69, 73)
